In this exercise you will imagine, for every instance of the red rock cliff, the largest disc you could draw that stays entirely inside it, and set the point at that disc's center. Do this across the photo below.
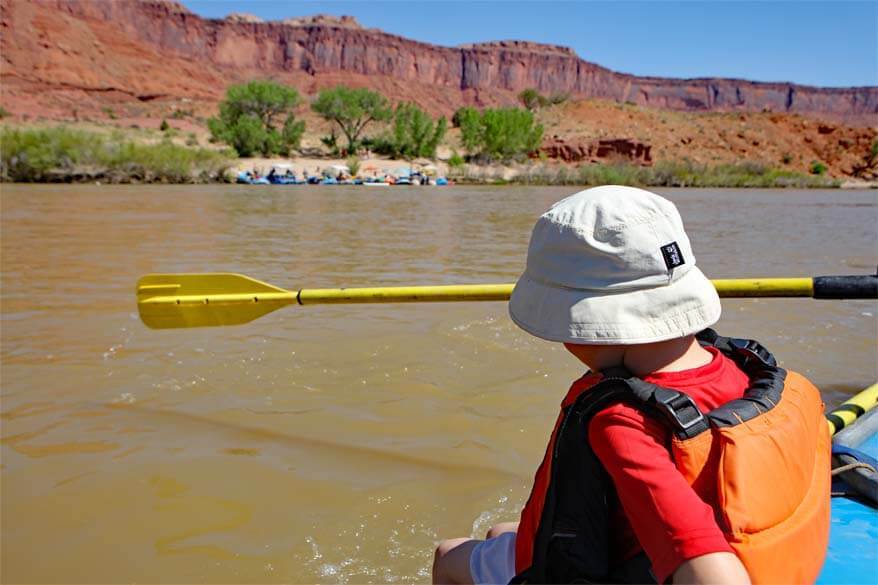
(155, 47)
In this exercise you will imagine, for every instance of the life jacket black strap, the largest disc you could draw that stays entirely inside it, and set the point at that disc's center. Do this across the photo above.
(766, 379)
(675, 408)
(742, 351)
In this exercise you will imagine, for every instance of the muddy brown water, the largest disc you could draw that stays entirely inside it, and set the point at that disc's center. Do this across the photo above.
(326, 443)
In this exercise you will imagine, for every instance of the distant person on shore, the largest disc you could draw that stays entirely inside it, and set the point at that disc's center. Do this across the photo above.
(657, 471)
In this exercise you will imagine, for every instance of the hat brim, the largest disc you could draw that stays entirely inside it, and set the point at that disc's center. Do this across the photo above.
(684, 307)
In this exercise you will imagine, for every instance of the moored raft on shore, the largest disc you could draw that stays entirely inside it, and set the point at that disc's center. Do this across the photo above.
(338, 175)
(246, 178)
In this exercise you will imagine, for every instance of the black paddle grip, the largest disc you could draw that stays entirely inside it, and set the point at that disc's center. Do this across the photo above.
(846, 287)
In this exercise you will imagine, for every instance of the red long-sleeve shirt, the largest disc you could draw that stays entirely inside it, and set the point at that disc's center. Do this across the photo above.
(659, 512)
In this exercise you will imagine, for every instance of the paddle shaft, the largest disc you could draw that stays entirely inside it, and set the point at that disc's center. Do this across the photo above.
(727, 288)
(821, 287)
(194, 300)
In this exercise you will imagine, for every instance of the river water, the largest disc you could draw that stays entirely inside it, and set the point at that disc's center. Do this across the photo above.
(326, 443)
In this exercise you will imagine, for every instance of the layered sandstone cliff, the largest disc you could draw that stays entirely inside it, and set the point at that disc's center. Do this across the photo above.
(152, 48)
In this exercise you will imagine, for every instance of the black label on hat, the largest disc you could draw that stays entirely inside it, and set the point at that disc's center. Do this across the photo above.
(673, 256)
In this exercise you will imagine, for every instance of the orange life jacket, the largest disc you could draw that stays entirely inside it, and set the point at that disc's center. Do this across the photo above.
(762, 462)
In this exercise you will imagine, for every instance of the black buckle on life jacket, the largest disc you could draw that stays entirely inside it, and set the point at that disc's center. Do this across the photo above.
(752, 349)
(681, 411)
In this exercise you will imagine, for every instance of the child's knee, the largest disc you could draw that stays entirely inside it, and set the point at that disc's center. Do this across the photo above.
(441, 573)
(445, 547)
(498, 529)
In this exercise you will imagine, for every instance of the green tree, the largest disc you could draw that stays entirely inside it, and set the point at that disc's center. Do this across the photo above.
(250, 119)
(414, 132)
(470, 123)
(499, 134)
(509, 132)
(460, 114)
(352, 109)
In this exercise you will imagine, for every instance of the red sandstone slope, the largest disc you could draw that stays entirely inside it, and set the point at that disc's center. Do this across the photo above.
(63, 54)
(575, 130)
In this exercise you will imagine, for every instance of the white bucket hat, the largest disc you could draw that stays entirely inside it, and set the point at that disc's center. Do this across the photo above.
(612, 265)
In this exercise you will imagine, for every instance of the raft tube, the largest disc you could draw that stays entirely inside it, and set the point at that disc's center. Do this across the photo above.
(853, 539)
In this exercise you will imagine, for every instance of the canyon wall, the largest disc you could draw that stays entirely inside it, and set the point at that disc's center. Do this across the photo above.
(140, 46)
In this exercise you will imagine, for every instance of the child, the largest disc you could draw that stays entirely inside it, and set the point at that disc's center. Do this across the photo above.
(678, 458)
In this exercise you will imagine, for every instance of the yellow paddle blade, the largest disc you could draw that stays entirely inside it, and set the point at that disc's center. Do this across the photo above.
(167, 301)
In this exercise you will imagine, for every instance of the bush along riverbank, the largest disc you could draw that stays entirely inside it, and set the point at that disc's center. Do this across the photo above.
(69, 155)
(662, 174)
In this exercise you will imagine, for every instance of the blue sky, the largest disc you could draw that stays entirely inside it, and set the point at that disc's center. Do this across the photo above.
(814, 43)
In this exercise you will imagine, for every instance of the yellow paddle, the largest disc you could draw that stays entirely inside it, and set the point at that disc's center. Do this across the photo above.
(167, 301)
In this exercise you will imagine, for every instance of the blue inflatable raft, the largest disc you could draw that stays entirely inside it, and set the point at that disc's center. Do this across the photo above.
(246, 178)
(853, 541)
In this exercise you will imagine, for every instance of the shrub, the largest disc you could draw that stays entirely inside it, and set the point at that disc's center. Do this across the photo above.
(787, 158)
(530, 98)
(455, 161)
(43, 154)
(3, 112)
(191, 139)
(111, 114)
(470, 123)
(558, 98)
(500, 134)
(675, 174)
(291, 134)
(818, 168)
(868, 166)
(459, 113)
(164, 126)
(508, 133)
(249, 117)
(331, 142)
(414, 134)
(353, 163)
(352, 110)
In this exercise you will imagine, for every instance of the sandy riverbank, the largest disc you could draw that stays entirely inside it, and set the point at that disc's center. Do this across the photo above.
(369, 167)
(531, 172)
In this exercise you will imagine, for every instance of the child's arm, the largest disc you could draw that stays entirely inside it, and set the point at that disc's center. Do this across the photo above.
(719, 568)
(675, 527)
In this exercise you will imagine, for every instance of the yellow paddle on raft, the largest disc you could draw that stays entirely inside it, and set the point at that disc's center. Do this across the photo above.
(168, 301)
